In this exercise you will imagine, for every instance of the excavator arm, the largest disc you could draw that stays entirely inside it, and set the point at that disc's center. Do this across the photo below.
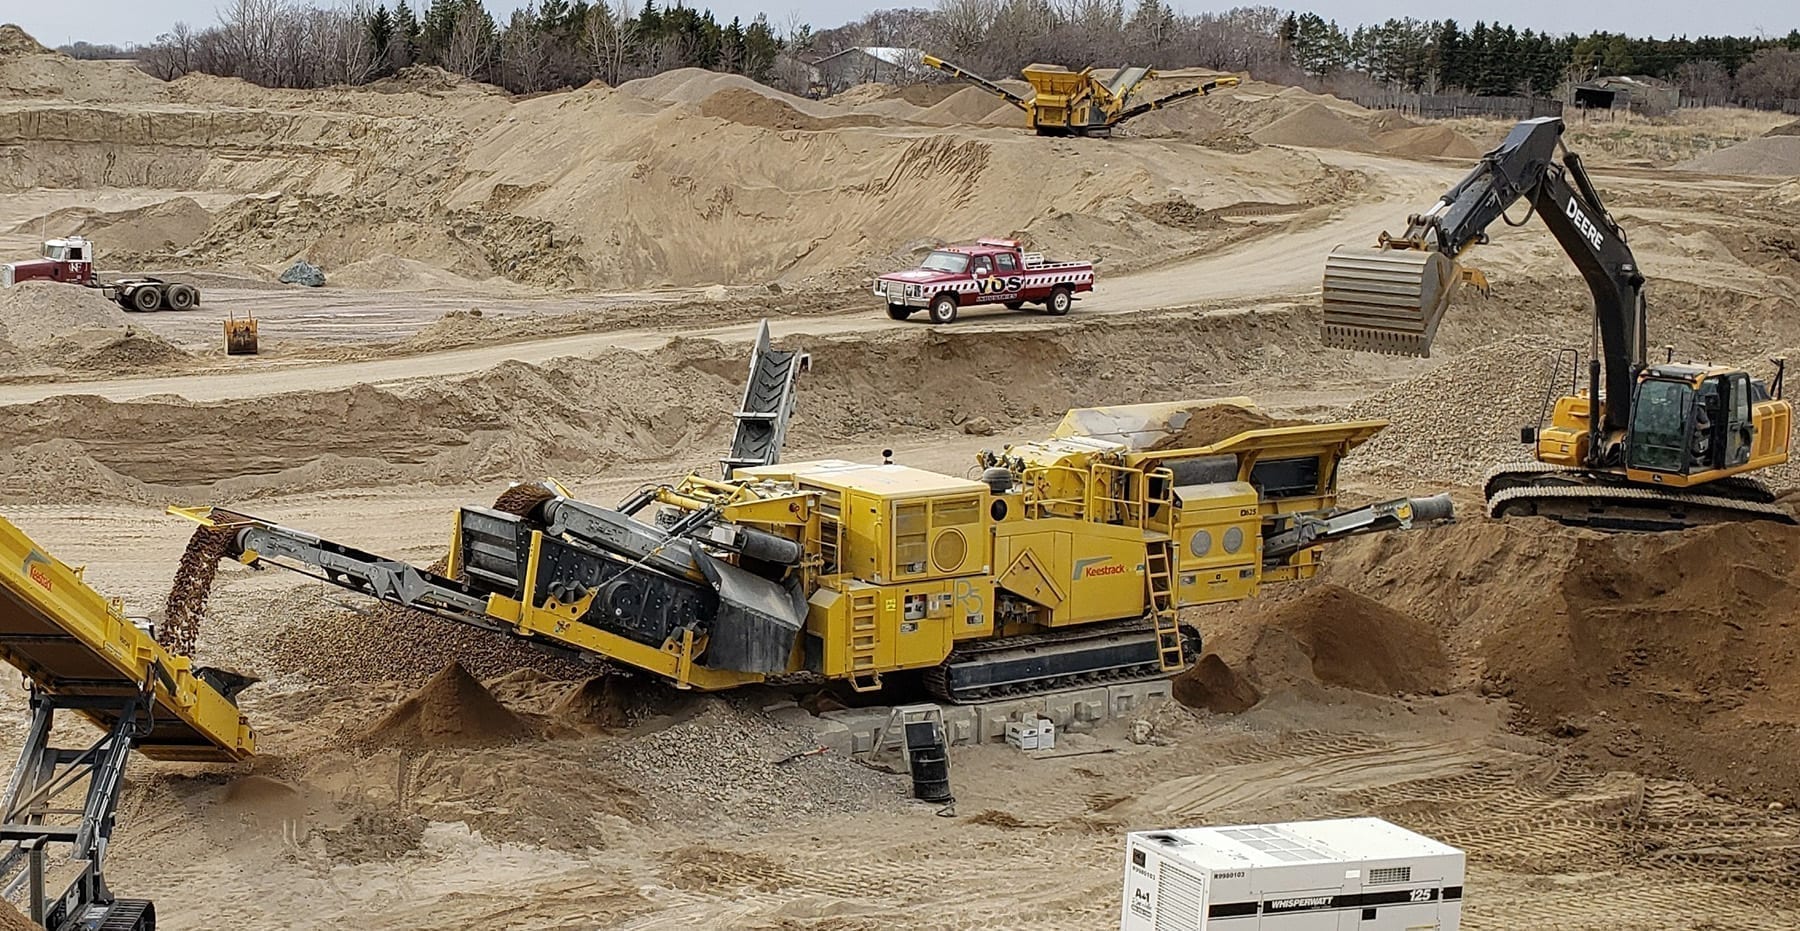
(1390, 299)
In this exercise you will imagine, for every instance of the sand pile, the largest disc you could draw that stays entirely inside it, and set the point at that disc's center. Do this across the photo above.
(35, 313)
(1785, 129)
(750, 108)
(11, 919)
(452, 710)
(1318, 126)
(1774, 156)
(972, 106)
(1672, 653)
(157, 229)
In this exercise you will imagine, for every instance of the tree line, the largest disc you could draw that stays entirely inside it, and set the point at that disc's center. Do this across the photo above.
(544, 45)
(549, 44)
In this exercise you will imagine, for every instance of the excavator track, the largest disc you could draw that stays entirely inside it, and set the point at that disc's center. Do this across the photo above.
(1575, 498)
(1038, 664)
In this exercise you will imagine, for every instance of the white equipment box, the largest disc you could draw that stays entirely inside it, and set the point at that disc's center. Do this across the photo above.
(1351, 874)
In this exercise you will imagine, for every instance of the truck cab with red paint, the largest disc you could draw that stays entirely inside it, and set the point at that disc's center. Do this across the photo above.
(69, 260)
(987, 271)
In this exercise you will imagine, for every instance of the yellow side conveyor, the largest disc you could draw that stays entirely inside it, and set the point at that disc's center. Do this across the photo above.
(72, 642)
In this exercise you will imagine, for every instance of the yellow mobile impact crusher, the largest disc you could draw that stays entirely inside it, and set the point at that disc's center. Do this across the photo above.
(1065, 563)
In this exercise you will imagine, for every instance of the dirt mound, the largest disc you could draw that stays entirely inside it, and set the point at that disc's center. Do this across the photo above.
(1338, 637)
(1213, 686)
(969, 106)
(1675, 647)
(1435, 140)
(750, 108)
(11, 919)
(157, 229)
(16, 41)
(451, 710)
(35, 313)
(1669, 653)
(1774, 156)
(1209, 425)
(1785, 129)
(1318, 126)
(612, 700)
(114, 352)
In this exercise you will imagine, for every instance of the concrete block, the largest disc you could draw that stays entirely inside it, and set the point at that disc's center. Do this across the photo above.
(862, 723)
(993, 716)
(1130, 699)
(962, 725)
(1067, 708)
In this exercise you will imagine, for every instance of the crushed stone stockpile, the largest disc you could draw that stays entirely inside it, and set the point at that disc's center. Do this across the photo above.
(1672, 653)
(1456, 421)
(1773, 156)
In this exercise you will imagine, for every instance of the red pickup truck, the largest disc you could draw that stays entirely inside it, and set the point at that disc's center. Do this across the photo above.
(990, 271)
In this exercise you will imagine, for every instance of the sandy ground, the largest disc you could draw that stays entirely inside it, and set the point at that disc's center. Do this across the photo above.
(1611, 738)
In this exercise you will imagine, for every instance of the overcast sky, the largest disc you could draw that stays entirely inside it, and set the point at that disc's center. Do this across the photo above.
(122, 21)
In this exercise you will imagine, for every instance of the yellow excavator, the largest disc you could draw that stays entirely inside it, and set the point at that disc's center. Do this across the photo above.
(1079, 103)
(1643, 446)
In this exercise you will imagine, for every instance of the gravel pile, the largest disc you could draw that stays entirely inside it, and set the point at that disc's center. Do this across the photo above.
(192, 588)
(1457, 421)
(724, 761)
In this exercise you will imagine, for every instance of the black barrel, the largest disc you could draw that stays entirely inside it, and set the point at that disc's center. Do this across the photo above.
(930, 762)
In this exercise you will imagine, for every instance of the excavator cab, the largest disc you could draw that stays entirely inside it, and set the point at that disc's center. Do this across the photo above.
(1687, 420)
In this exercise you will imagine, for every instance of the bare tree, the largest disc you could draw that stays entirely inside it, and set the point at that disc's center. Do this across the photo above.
(609, 35)
(1703, 81)
(171, 55)
(524, 52)
(471, 43)
(1770, 77)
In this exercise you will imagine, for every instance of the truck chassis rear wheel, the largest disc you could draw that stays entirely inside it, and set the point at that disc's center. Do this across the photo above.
(943, 308)
(146, 299)
(183, 297)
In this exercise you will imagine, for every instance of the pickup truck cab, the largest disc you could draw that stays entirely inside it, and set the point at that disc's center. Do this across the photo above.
(988, 271)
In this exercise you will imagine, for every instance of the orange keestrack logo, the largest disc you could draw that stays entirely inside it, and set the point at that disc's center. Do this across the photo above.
(38, 569)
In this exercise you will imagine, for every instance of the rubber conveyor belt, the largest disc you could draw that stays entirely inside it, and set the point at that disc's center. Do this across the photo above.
(76, 644)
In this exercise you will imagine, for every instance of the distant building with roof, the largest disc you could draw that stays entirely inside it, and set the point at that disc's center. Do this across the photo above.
(1637, 92)
(871, 64)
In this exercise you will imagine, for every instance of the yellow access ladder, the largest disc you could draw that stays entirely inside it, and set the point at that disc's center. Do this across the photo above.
(1159, 567)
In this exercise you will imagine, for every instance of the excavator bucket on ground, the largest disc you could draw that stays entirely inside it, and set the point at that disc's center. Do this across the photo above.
(1386, 299)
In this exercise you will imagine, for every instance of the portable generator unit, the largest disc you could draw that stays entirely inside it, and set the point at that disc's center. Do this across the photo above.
(1360, 873)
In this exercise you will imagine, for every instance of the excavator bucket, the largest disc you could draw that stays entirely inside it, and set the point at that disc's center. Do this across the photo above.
(1386, 299)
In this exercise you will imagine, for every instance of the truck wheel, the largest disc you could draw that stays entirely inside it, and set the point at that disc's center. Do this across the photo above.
(1060, 301)
(146, 299)
(943, 308)
(183, 297)
(899, 311)
(1014, 305)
